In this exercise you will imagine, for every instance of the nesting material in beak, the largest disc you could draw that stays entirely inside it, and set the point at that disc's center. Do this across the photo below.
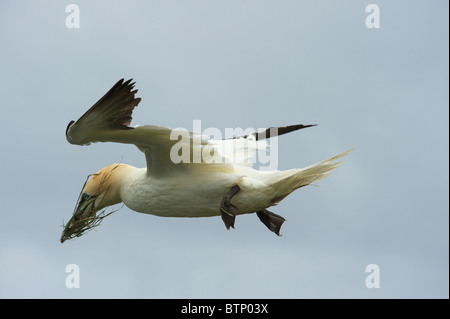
(76, 228)
(84, 218)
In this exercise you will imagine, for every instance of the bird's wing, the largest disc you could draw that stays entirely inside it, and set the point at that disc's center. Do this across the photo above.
(167, 151)
(112, 112)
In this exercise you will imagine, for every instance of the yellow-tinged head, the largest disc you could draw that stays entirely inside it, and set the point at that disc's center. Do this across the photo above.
(100, 190)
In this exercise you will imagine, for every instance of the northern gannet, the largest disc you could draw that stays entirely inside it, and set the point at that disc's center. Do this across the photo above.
(221, 182)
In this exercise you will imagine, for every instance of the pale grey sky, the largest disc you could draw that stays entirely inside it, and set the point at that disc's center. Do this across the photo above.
(232, 64)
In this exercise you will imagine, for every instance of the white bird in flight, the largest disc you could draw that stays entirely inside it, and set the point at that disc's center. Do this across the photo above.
(222, 183)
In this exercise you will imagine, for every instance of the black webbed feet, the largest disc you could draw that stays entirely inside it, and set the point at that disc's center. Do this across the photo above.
(227, 210)
(271, 220)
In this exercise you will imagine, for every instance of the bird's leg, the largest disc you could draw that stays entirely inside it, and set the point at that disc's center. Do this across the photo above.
(271, 220)
(228, 210)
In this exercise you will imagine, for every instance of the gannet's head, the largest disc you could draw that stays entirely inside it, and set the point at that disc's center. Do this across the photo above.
(100, 190)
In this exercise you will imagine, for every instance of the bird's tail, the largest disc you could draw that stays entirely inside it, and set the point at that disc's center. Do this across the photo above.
(293, 179)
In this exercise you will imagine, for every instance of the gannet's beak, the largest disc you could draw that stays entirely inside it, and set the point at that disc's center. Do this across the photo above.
(85, 207)
(82, 218)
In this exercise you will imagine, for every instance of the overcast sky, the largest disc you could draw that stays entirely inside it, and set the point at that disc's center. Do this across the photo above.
(247, 64)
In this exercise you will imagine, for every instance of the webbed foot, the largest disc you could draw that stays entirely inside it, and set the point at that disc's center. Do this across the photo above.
(227, 210)
(271, 220)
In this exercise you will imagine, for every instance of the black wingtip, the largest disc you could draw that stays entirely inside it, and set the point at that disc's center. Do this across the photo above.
(127, 82)
(123, 83)
(277, 131)
(68, 125)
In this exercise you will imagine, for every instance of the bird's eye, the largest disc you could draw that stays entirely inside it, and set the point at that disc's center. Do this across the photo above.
(84, 197)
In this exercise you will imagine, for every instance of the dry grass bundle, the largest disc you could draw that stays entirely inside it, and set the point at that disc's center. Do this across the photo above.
(77, 228)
